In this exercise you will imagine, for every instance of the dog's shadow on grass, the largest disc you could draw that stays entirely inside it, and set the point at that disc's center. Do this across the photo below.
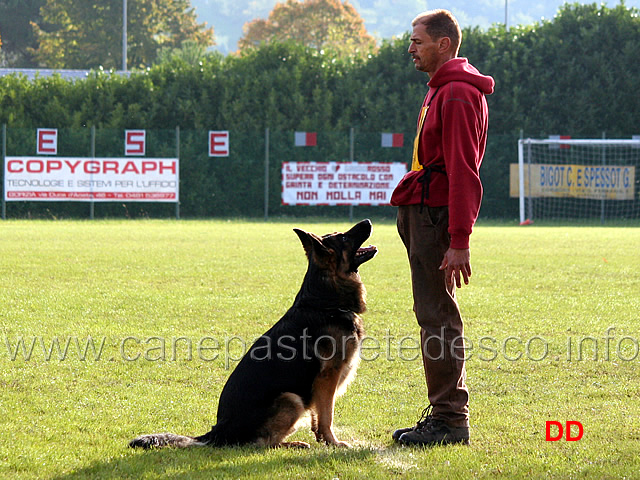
(229, 462)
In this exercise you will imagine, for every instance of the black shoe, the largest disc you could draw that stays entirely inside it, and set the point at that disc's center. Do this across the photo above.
(436, 432)
(425, 418)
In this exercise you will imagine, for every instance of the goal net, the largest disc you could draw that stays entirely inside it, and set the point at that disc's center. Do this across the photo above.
(563, 179)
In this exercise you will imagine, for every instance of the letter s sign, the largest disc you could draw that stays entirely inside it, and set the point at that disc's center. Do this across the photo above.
(135, 142)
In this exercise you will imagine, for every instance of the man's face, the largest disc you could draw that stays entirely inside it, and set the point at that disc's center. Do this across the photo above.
(424, 50)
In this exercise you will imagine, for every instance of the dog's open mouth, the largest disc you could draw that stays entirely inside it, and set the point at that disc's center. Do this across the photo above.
(364, 254)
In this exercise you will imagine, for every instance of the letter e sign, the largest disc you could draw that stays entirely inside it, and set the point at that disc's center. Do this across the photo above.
(218, 143)
(135, 142)
(47, 141)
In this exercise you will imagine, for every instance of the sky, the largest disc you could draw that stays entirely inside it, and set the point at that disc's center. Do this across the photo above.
(383, 18)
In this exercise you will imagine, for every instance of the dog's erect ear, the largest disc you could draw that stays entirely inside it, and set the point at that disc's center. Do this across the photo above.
(311, 243)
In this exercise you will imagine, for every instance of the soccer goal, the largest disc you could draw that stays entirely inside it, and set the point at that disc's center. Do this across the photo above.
(586, 179)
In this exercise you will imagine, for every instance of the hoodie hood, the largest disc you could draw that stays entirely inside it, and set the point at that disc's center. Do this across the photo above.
(460, 70)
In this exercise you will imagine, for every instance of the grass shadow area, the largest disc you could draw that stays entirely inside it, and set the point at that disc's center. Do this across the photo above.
(229, 462)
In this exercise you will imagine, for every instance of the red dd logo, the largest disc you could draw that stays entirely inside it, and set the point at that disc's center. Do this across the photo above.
(555, 430)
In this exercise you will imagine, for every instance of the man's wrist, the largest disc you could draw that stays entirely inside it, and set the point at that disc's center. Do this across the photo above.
(459, 241)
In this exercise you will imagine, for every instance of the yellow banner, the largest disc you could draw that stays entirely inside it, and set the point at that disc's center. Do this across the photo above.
(608, 182)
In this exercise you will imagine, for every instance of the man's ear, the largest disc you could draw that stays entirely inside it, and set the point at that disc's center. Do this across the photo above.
(311, 243)
(444, 44)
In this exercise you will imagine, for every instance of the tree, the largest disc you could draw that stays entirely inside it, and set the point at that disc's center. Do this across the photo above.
(320, 24)
(89, 34)
(189, 52)
(15, 27)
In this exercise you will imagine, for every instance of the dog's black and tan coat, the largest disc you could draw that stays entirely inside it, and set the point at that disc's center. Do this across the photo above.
(303, 362)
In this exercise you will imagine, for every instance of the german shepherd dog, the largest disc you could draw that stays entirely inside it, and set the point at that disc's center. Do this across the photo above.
(303, 362)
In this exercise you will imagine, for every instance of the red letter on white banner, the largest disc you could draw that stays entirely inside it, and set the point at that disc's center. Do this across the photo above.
(218, 143)
(135, 142)
(47, 141)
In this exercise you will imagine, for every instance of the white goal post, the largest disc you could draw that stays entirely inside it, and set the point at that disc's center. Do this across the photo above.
(578, 179)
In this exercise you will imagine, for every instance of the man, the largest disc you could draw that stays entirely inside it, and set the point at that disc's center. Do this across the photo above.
(438, 202)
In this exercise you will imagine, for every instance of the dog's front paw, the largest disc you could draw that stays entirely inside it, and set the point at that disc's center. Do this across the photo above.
(294, 445)
(342, 444)
(329, 439)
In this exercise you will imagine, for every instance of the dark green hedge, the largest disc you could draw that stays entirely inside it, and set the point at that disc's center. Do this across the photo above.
(574, 75)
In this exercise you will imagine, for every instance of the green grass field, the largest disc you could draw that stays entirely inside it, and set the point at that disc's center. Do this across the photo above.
(110, 329)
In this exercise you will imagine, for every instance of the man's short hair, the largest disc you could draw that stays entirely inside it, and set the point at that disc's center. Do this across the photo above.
(441, 23)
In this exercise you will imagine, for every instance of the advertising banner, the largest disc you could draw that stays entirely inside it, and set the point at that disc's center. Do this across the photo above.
(609, 182)
(339, 183)
(91, 179)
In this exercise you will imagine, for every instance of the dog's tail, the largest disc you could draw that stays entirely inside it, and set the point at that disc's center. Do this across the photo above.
(219, 436)
(161, 440)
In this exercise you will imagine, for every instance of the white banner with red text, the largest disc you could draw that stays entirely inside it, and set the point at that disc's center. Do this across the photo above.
(91, 179)
(340, 183)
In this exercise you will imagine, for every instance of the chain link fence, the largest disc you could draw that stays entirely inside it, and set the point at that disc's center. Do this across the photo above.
(247, 182)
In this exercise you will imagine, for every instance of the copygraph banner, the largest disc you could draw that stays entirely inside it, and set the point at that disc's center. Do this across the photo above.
(91, 179)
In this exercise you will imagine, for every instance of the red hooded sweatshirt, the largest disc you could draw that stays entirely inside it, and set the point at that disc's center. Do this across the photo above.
(453, 140)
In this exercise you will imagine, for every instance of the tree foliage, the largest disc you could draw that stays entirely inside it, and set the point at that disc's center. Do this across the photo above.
(574, 75)
(80, 34)
(189, 52)
(320, 24)
(16, 17)
(576, 72)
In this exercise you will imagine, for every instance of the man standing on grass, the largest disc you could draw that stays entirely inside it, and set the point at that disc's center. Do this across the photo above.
(438, 202)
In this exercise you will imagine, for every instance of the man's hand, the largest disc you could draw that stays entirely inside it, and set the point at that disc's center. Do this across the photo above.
(454, 263)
